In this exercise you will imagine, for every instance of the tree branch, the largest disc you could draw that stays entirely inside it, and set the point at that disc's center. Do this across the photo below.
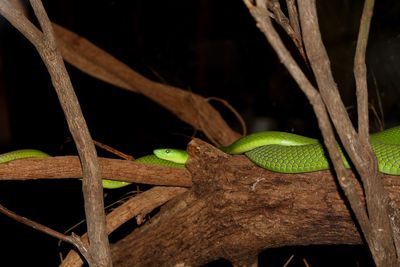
(361, 156)
(92, 187)
(379, 233)
(73, 239)
(238, 209)
(265, 25)
(70, 167)
(137, 206)
(291, 26)
(373, 191)
(360, 72)
(189, 107)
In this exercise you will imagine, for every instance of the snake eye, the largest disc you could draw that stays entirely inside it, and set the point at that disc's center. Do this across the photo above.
(167, 151)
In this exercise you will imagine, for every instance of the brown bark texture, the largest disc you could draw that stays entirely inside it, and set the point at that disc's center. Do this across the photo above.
(236, 209)
(67, 167)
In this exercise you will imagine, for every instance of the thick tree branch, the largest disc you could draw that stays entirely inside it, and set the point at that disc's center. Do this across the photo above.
(249, 208)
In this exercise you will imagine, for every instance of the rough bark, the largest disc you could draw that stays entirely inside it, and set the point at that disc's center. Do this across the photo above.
(235, 209)
(70, 167)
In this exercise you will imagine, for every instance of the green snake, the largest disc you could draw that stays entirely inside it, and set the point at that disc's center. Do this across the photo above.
(276, 151)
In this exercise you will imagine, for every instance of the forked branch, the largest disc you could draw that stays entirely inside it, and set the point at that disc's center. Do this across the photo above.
(327, 101)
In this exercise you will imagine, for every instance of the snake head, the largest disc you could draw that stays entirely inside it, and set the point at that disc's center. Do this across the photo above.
(172, 154)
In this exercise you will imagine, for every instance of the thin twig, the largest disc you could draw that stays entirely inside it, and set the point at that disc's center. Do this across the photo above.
(233, 110)
(381, 118)
(138, 205)
(73, 239)
(94, 61)
(294, 17)
(113, 150)
(376, 115)
(284, 22)
(360, 72)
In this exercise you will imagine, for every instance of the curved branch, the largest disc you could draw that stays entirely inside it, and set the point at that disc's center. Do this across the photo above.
(73, 239)
(189, 107)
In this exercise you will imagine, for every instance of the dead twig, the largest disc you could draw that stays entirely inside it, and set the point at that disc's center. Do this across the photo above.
(291, 26)
(73, 239)
(113, 150)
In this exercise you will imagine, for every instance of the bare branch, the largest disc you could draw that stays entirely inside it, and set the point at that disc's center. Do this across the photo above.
(294, 17)
(265, 25)
(378, 204)
(139, 205)
(92, 60)
(380, 237)
(362, 156)
(284, 22)
(92, 186)
(75, 241)
(70, 167)
(360, 72)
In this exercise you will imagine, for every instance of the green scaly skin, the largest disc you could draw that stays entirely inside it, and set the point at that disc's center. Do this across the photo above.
(149, 159)
(21, 154)
(275, 151)
(291, 153)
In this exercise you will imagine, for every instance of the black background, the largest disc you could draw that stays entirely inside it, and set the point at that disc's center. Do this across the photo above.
(210, 47)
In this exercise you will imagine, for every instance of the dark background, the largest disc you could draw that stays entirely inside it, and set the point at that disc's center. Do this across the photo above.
(210, 47)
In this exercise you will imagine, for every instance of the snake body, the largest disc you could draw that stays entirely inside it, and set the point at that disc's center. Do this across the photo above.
(276, 151)
(291, 153)
(21, 154)
(153, 160)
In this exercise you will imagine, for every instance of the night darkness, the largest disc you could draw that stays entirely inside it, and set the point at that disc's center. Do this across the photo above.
(210, 47)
